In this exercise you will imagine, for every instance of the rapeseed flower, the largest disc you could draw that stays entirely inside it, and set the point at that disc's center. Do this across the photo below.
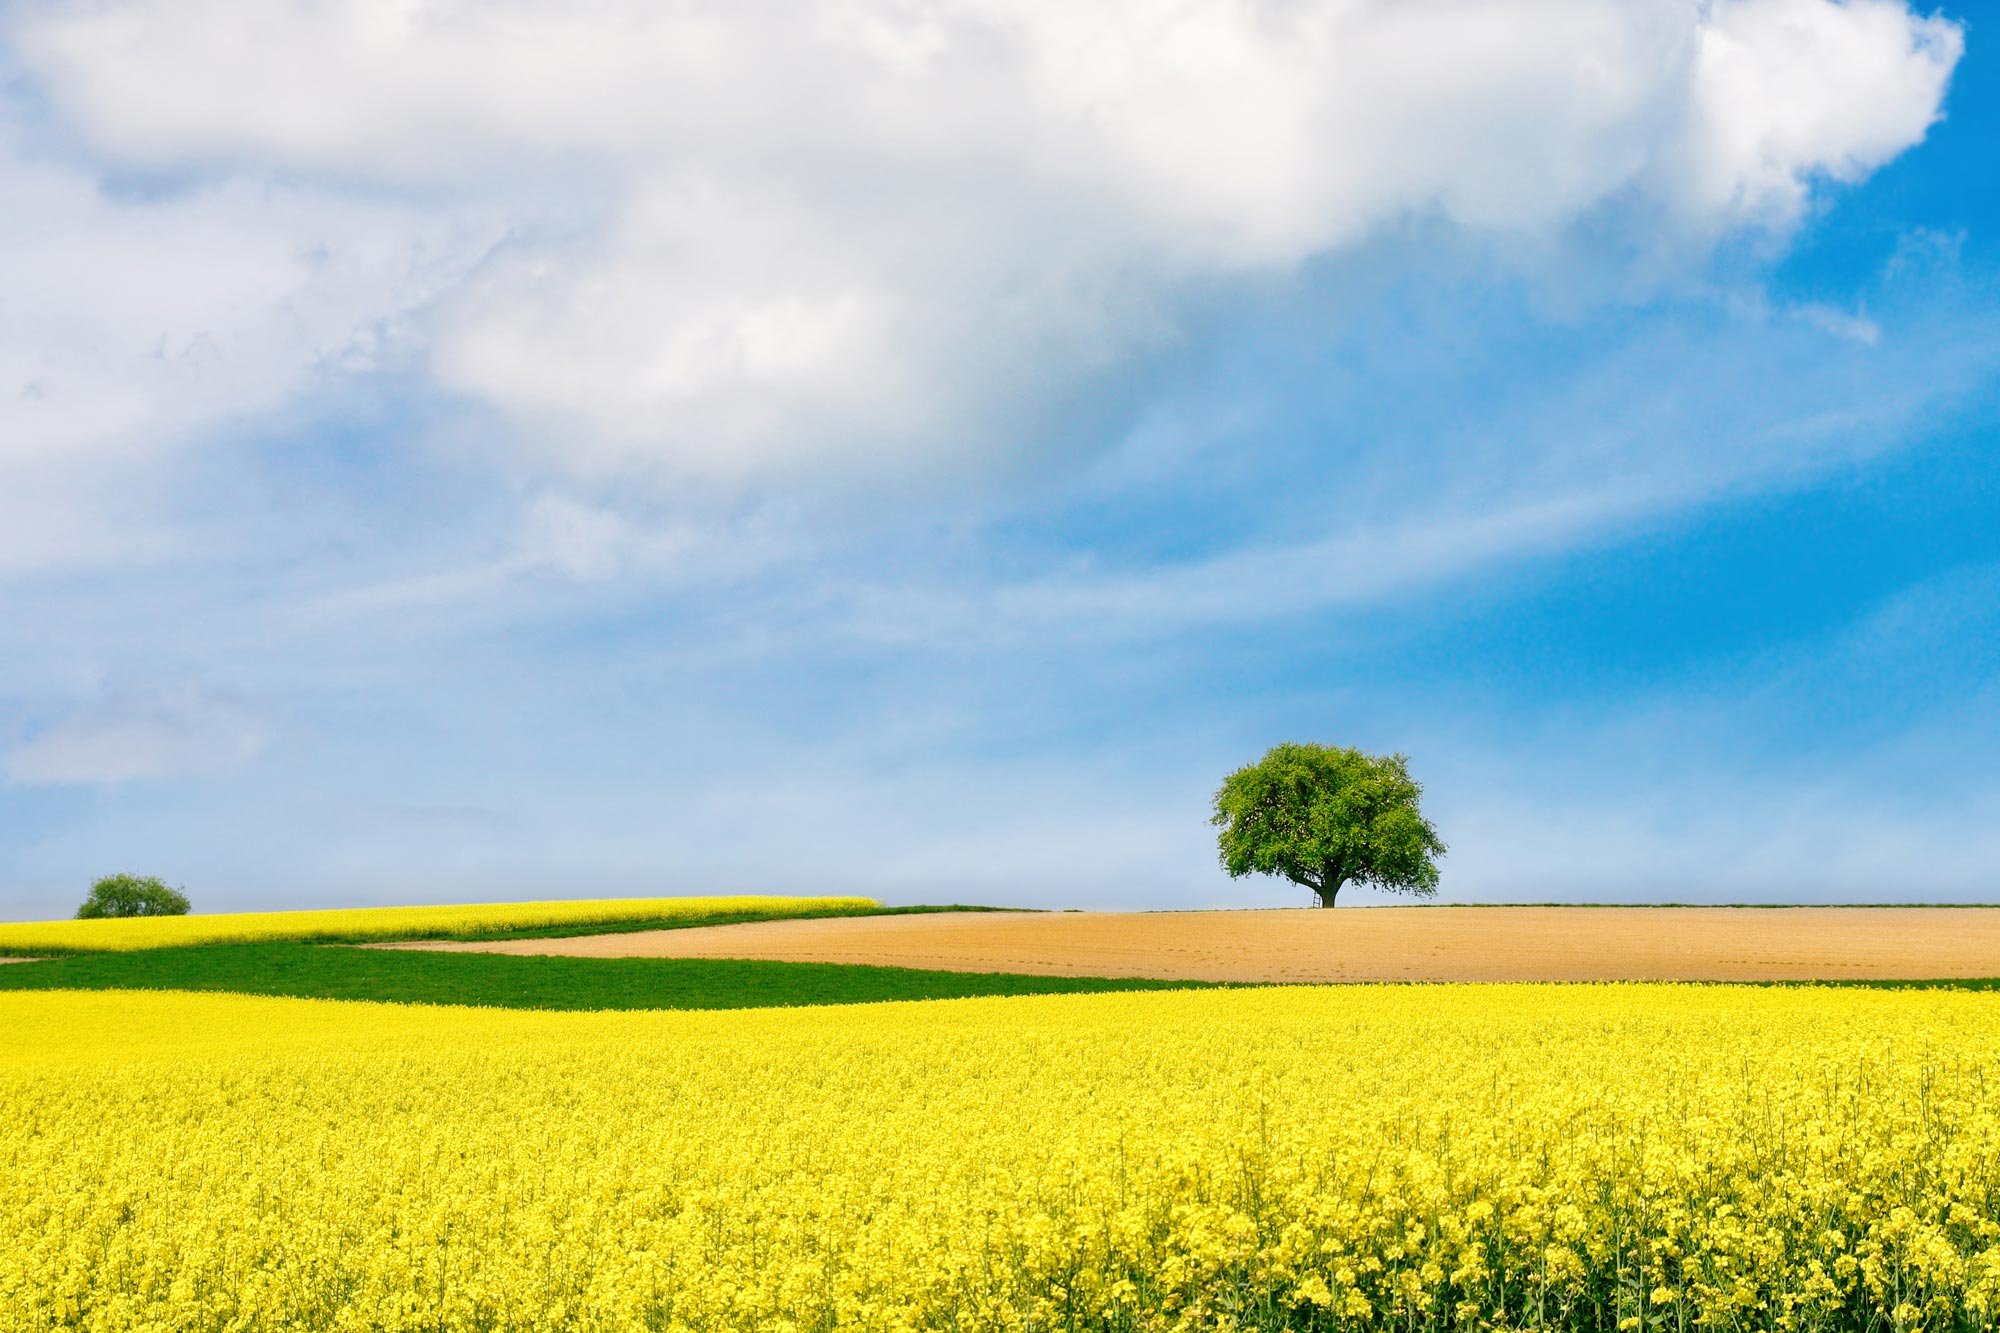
(1412, 1157)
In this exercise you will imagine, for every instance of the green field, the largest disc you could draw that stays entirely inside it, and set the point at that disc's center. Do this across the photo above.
(333, 972)
(336, 972)
(305, 955)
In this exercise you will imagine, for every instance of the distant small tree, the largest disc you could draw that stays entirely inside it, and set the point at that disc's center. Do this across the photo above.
(132, 895)
(1323, 817)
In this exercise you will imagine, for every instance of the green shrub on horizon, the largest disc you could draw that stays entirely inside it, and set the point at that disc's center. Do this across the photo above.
(129, 896)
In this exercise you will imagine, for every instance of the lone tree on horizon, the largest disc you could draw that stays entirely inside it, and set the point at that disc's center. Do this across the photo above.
(1323, 816)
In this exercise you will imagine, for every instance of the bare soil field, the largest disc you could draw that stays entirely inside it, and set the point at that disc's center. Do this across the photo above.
(1358, 944)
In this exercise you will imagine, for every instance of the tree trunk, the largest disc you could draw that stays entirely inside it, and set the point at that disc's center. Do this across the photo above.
(1326, 896)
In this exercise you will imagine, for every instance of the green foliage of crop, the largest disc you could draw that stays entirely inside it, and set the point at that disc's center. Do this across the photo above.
(334, 972)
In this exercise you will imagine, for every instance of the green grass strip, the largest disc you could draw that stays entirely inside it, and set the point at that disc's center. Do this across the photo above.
(313, 971)
(629, 927)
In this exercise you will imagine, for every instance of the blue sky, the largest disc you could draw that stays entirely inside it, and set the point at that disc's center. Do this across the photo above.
(522, 450)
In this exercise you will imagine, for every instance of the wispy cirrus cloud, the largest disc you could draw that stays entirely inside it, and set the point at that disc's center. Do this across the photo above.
(174, 734)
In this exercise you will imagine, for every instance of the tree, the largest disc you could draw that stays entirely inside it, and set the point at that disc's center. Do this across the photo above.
(131, 895)
(1323, 817)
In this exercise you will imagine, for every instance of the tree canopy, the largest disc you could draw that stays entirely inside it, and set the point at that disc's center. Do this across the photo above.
(1323, 817)
(132, 895)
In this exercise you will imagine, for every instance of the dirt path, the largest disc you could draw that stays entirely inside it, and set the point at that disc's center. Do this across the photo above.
(1359, 944)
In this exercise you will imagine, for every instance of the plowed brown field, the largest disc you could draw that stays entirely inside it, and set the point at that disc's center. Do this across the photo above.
(1358, 944)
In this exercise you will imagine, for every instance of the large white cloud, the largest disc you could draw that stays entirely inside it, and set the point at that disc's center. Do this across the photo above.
(746, 236)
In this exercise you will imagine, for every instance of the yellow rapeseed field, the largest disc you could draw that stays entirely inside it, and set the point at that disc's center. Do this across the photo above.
(1422, 1157)
(389, 923)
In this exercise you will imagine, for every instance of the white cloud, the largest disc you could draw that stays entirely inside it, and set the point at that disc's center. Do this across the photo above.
(575, 539)
(175, 734)
(560, 545)
(1852, 326)
(1363, 565)
(1788, 89)
(130, 320)
(133, 324)
(751, 237)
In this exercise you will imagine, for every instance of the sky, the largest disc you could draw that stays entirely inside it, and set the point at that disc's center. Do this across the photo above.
(466, 450)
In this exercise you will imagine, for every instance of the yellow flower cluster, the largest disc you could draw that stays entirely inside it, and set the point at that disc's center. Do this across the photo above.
(387, 923)
(1422, 1157)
